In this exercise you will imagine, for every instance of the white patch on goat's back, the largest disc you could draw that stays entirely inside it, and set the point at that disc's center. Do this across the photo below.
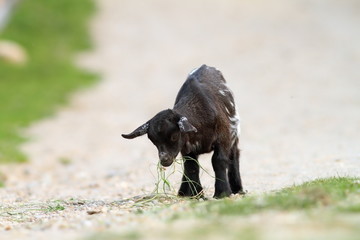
(214, 68)
(193, 71)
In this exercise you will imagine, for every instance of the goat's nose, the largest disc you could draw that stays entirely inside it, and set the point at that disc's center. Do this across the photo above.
(163, 156)
(165, 159)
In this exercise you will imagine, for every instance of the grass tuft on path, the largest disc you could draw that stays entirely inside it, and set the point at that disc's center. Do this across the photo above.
(52, 32)
(339, 194)
(319, 209)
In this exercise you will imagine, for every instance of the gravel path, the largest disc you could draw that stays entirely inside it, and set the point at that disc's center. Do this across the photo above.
(292, 65)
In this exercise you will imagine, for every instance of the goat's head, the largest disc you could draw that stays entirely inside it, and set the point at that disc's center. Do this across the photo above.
(165, 130)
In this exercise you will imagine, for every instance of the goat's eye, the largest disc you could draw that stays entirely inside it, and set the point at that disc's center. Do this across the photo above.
(175, 137)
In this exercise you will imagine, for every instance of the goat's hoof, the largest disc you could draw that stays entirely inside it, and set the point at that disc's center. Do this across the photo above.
(199, 195)
(190, 191)
(222, 195)
(242, 192)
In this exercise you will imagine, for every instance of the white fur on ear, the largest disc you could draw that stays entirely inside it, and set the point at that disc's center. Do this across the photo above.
(185, 125)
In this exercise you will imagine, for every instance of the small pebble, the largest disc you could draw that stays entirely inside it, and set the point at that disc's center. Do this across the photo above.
(92, 212)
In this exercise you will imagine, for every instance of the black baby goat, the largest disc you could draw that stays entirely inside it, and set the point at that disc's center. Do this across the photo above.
(204, 119)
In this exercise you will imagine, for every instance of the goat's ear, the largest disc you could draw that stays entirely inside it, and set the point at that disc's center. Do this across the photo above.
(185, 125)
(137, 132)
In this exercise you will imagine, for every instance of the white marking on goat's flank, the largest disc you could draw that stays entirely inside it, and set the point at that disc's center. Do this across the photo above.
(193, 71)
(222, 92)
(227, 110)
(235, 126)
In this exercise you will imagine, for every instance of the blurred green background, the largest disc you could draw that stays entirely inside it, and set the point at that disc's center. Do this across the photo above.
(32, 89)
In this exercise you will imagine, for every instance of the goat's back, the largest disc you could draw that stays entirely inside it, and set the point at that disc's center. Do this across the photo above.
(207, 101)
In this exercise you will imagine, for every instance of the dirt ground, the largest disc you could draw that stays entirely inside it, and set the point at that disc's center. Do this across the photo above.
(292, 65)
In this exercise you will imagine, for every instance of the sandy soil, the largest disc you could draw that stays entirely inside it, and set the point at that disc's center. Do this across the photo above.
(292, 65)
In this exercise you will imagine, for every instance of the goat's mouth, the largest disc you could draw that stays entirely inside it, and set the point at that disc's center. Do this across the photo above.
(166, 162)
(166, 159)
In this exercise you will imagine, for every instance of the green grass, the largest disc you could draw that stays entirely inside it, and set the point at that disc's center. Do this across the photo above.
(52, 32)
(56, 208)
(332, 193)
(203, 232)
(320, 209)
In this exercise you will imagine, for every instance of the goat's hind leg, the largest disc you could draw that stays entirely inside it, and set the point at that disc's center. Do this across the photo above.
(191, 186)
(220, 162)
(234, 170)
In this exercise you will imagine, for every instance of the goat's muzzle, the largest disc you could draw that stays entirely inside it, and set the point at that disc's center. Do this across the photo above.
(165, 159)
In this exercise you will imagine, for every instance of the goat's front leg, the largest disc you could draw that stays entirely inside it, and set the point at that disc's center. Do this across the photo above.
(191, 185)
(220, 162)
